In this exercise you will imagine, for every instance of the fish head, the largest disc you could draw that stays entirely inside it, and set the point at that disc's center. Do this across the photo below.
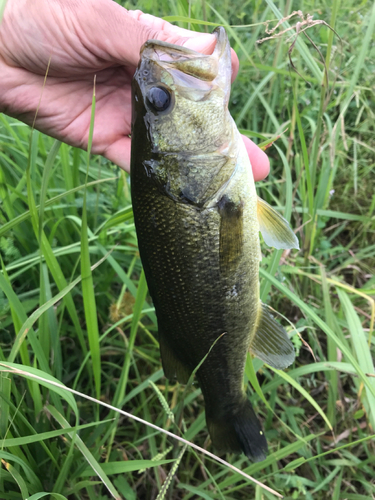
(182, 96)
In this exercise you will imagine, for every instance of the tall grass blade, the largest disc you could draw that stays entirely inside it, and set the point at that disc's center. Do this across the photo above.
(56, 386)
(172, 472)
(137, 311)
(361, 347)
(27, 473)
(305, 394)
(24, 216)
(55, 496)
(88, 288)
(43, 378)
(300, 44)
(304, 307)
(17, 478)
(95, 466)
(360, 59)
(46, 249)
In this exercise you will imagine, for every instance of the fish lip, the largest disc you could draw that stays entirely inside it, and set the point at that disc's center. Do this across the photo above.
(221, 40)
(151, 44)
(202, 66)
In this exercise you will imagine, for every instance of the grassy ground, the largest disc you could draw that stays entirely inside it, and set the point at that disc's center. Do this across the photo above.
(98, 335)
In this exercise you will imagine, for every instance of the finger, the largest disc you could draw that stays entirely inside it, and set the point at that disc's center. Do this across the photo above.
(258, 159)
(119, 153)
(110, 24)
(158, 24)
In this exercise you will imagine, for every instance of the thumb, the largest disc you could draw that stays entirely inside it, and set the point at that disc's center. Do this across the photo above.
(157, 29)
(123, 32)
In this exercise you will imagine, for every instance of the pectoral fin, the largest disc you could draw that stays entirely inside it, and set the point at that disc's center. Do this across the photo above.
(231, 233)
(271, 343)
(275, 229)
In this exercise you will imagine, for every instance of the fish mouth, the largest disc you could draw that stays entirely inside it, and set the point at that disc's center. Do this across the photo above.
(184, 63)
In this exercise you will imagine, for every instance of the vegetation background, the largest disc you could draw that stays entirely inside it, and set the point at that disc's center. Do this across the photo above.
(74, 309)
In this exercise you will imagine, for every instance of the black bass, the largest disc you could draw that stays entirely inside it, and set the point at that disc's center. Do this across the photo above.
(198, 218)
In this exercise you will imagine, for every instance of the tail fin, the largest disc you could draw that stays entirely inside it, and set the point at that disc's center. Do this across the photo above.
(239, 430)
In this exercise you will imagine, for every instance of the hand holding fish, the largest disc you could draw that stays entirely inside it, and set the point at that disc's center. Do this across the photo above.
(71, 42)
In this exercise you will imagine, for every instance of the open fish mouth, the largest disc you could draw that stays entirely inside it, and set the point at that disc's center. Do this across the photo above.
(191, 68)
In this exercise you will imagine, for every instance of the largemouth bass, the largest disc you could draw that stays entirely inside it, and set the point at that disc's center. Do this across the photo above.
(198, 218)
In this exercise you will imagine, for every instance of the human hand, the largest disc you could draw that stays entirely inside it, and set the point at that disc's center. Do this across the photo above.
(76, 40)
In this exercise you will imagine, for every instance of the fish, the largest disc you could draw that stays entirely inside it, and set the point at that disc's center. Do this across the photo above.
(197, 218)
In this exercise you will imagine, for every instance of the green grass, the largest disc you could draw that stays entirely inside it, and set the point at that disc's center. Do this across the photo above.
(78, 334)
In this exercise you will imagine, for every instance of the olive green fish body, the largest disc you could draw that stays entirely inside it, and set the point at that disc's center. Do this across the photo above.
(196, 215)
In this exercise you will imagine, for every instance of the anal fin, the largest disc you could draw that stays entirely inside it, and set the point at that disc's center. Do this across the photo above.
(271, 343)
(172, 366)
(275, 229)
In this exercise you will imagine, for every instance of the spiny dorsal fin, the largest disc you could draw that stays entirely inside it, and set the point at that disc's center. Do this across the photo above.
(271, 343)
(275, 229)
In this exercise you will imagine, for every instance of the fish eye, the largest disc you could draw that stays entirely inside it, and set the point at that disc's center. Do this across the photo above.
(158, 98)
